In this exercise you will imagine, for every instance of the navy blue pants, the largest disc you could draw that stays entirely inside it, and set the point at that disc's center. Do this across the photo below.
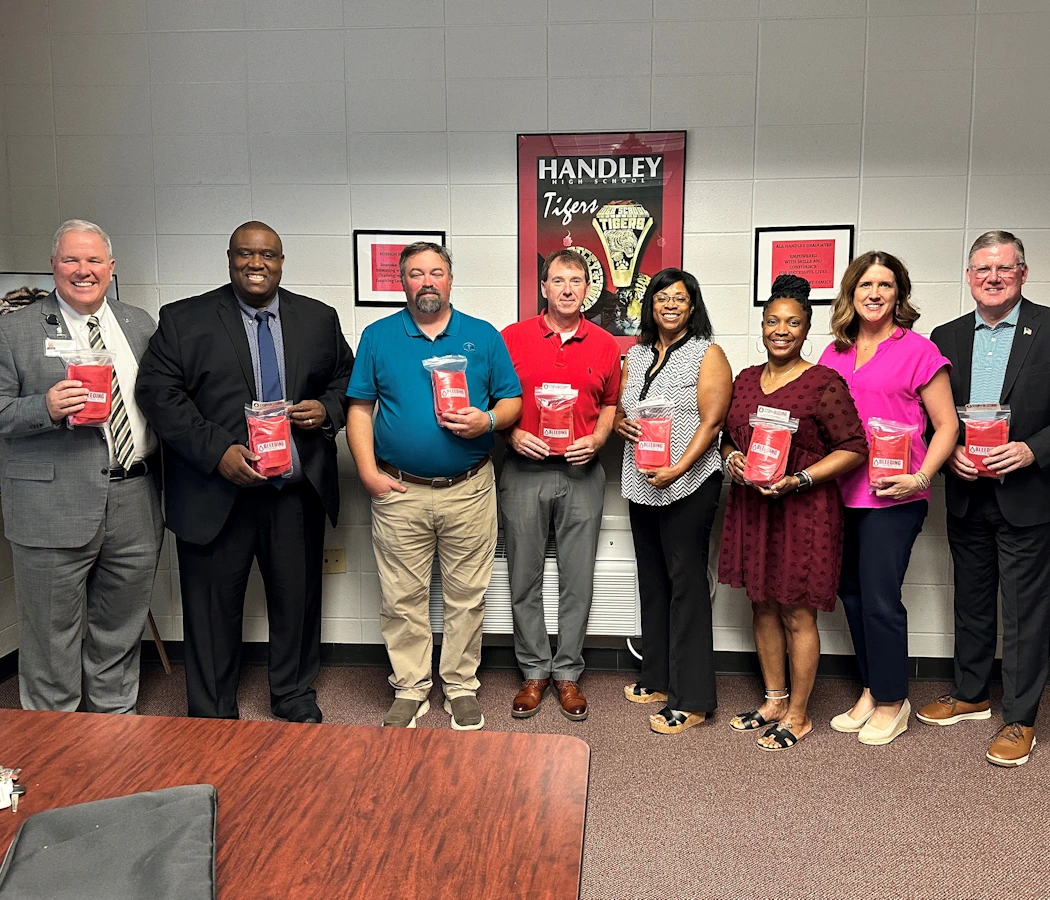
(875, 554)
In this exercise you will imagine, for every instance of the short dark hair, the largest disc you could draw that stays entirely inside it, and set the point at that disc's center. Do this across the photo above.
(422, 247)
(567, 257)
(791, 287)
(699, 324)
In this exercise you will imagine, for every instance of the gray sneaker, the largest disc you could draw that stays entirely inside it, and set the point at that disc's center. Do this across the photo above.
(465, 712)
(404, 712)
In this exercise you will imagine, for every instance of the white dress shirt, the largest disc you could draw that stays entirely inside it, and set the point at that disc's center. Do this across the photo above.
(124, 363)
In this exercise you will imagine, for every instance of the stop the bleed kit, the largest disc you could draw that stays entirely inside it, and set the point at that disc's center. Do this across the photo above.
(653, 449)
(270, 437)
(94, 370)
(985, 427)
(448, 378)
(889, 451)
(767, 451)
(556, 403)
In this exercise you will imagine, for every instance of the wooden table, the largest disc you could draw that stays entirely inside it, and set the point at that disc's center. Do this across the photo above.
(326, 811)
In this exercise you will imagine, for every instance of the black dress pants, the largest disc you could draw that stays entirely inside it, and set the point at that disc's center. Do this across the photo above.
(284, 530)
(989, 553)
(671, 546)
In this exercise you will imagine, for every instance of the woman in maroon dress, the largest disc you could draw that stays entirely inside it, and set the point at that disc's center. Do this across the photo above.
(783, 543)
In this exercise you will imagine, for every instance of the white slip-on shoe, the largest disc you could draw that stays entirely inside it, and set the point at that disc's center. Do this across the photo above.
(846, 724)
(879, 736)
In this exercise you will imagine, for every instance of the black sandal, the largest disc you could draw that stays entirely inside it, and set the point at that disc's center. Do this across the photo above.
(784, 738)
(754, 720)
(751, 721)
(638, 694)
(667, 721)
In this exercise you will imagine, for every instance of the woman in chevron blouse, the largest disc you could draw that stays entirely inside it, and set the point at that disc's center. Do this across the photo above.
(672, 508)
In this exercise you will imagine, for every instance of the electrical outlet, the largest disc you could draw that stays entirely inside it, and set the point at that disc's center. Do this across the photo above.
(334, 561)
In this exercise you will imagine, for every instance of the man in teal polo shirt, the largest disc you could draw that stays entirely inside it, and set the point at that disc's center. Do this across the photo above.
(431, 482)
(999, 528)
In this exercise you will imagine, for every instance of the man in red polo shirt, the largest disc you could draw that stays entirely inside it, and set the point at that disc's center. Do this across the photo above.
(558, 350)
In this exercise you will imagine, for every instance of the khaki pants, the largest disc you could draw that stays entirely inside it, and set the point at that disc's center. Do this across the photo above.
(459, 522)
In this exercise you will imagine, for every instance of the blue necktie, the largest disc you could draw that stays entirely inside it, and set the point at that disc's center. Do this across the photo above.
(271, 376)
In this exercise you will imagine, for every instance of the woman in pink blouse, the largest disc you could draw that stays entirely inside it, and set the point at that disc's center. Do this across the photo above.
(893, 373)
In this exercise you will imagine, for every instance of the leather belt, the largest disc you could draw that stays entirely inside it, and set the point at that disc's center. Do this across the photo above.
(395, 472)
(119, 473)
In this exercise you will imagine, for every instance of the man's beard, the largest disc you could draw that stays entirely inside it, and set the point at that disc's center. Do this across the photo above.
(428, 303)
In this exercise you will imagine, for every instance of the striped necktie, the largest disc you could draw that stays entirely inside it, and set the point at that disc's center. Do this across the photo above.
(119, 426)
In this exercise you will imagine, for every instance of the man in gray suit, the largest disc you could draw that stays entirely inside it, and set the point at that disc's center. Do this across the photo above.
(82, 505)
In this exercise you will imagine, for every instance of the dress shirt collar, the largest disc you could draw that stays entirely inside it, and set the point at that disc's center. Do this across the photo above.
(274, 306)
(79, 320)
(1010, 320)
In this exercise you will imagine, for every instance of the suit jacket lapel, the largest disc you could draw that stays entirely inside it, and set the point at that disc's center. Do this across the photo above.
(49, 307)
(964, 359)
(290, 337)
(137, 339)
(230, 315)
(1024, 336)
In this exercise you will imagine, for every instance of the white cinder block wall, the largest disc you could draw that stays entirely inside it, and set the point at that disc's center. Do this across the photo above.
(924, 122)
(6, 254)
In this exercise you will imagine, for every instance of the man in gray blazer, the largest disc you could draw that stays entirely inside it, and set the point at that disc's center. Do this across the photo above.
(82, 505)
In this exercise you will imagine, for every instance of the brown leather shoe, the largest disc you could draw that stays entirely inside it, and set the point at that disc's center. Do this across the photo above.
(947, 710)
(573, 703)
(1012, 746)
(527, 701)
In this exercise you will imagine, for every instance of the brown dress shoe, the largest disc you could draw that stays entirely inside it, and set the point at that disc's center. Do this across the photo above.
(1012, 745)
(573, 703)
(948, 710)
(527, 700)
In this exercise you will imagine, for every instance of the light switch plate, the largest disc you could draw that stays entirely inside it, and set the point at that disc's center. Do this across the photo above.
(334, 561)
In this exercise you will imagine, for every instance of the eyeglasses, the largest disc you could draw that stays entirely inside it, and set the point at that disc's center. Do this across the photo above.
(1004, 272)
(668, 298)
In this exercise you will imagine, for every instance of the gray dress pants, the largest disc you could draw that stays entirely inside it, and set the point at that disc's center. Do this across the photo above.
(532, 496)
(82, 609)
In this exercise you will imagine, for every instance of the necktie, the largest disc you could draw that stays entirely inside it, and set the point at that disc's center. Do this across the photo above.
(270, 374)
(119, 426)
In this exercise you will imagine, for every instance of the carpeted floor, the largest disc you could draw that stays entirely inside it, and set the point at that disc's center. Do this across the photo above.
(705, 814)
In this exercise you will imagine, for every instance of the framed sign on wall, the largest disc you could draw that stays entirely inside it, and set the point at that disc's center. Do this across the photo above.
(18, 289)
(377, 278)
(618, 200)
(818, 253)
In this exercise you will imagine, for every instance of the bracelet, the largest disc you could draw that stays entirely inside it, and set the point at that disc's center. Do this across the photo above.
(492, 421)
(805, 481)
(725, 462)
(922, 480)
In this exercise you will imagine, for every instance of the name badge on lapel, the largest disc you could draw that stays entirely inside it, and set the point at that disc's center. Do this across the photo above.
(57, 346)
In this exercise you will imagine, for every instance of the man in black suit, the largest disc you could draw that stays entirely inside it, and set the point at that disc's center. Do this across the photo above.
(999, 528)
(211, 355)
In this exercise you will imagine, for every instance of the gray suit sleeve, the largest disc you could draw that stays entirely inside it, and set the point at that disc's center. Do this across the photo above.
(19, 416)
